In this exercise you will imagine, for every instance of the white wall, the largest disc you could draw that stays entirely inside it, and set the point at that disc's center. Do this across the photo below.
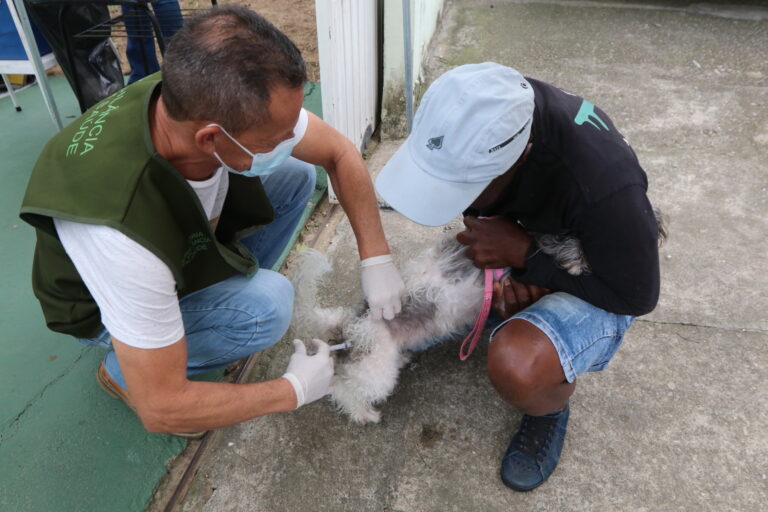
(424, 17)
(347, 40)
(347, 47)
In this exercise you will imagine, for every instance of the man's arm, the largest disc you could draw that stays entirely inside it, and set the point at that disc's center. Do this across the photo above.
(324, 146)
(137, 299)
(619, 238)
(381, 282)
(166, 401)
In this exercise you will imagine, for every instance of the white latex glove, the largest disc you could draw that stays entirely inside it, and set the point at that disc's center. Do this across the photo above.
(382, 286)
(310, 375)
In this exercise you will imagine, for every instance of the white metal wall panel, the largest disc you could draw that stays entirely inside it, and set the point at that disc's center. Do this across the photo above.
(425, 14)
(421, 17)
(346, 42)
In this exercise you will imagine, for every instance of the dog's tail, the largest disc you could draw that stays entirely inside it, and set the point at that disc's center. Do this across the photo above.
(662, 220)
(309, 320)
(311, 266)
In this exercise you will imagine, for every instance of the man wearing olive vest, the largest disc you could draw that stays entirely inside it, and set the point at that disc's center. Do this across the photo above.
(161, 210)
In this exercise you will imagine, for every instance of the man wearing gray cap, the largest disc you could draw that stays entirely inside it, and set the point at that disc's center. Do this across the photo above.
(522, 158)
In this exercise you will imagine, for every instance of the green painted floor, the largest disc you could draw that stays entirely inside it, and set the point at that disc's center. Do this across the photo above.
(64, 444)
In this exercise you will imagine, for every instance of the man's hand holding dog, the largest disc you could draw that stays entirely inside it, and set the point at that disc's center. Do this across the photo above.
(495, 242)
(510, 296)
(382, 286)
(498, 242)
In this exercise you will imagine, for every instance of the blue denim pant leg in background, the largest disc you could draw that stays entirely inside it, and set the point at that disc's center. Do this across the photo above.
(242, 315)
(140, 48)
(289, 190)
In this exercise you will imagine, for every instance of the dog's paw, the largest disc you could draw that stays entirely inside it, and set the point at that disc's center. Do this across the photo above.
(366, 415)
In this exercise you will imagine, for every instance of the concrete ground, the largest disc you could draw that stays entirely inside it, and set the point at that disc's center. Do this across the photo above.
(677, 422)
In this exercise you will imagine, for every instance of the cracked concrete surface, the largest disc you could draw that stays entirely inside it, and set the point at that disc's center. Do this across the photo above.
(677, 421)
(11, 426)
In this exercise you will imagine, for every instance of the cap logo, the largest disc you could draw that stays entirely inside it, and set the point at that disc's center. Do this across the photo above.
(506, 142)
(435, 143)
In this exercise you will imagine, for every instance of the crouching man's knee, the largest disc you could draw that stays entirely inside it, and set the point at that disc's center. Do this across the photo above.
(263, 313)
(523, 365)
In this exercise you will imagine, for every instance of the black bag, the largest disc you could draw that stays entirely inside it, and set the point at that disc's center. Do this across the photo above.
(92, 65)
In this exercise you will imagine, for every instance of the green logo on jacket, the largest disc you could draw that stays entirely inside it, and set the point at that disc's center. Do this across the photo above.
(198, 242)
(87, 135)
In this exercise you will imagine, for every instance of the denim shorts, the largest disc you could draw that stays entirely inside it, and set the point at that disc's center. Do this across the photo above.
(585, 336)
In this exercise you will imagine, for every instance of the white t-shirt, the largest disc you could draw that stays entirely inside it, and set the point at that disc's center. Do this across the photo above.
(134, 289)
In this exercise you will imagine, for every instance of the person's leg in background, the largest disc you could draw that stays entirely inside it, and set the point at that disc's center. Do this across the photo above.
(140, 47)
(169, 17)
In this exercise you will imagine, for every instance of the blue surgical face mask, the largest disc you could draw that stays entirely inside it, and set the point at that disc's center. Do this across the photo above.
(263, 164)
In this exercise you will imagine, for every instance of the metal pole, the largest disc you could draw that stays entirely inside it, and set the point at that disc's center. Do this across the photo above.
(9, 88)
(408, 49)
(30, 46)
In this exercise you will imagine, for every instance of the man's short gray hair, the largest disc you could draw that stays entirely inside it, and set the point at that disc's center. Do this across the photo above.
(223, 63)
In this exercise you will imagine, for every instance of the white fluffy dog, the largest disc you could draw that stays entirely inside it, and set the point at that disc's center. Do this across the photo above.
(443, 297)
(444, 294)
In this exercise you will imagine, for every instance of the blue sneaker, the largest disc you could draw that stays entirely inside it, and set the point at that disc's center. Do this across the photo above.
(533, 453)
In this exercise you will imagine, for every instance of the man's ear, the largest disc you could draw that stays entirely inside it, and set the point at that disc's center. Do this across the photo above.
(205, 137)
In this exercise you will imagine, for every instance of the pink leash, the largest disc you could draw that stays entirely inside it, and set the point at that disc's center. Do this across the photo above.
(473, 337)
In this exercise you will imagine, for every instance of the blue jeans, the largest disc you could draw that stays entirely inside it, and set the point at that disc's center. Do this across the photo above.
(585, 336)
(140, 49)
(241, 315)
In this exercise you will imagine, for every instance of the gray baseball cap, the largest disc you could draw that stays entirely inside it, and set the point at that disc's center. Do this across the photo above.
(472, 125)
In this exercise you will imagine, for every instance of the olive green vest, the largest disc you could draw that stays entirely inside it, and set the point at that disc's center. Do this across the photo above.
(103, 169)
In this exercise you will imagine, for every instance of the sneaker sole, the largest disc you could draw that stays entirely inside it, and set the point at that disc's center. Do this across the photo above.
(520, 489)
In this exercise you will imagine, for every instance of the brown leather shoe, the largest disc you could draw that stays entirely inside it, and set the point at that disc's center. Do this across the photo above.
(114, 390)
